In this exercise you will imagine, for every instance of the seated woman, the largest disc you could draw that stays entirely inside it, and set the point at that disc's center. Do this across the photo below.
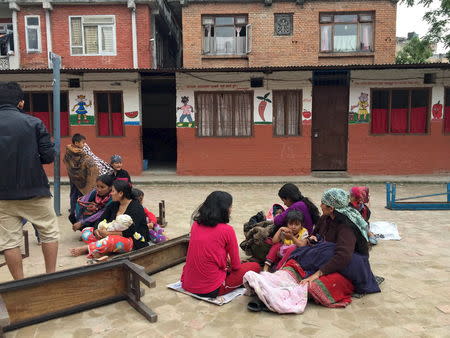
(333, 269)
(101, 242)
(294, 200)
(359, 196)
(91, 207)
(213, 266)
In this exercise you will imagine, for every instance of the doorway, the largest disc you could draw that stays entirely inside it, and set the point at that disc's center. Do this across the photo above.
(330, 121)
(159, 137)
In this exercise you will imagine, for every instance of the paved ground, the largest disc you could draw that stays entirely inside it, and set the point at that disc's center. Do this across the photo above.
(414, 300)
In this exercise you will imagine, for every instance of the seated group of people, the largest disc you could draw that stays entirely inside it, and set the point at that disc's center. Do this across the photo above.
(110, 216)
(302, 249)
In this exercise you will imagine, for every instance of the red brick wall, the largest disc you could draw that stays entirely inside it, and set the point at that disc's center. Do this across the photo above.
(302, 48)
(129, 147)
(32, 60)
(61, 37)
(398, 154)
(262, 154)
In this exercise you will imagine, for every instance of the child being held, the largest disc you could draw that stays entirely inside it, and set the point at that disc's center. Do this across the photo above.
(286, 239)
(155, 230)
(121, 223)
(274, 211)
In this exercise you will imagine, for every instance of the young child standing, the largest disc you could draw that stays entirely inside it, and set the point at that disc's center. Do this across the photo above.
(119, 173)
(286, 239)
(155, 230)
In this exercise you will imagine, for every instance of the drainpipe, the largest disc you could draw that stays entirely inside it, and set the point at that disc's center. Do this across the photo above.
(15, 8)
(132, 5)
(48, 28)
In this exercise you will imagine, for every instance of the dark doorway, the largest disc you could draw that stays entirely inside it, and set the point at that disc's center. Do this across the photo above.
(330, 121)
(159, 137)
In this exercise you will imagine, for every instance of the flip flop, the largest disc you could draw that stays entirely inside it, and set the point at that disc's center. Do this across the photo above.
(257, 306)
(379, 279)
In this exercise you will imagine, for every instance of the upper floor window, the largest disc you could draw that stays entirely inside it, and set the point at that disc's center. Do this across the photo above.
(346, 32)
(33, 33)
(400, 111)
(226, 35)
(92, 35)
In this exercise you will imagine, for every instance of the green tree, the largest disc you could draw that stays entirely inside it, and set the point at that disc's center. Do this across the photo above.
(438, 19)
(415, 51)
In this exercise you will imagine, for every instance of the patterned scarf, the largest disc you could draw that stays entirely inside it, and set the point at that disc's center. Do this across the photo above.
(339, 199)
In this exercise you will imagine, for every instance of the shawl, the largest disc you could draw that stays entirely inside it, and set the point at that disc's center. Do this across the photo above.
(339, 200)
(81, 169)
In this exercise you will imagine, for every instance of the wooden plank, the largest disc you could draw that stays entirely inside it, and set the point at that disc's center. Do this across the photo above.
(161, 256)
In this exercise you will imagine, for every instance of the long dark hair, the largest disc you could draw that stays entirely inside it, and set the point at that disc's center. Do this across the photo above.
(125, 188)
(291, 192)
(106, 179)
(215, 209)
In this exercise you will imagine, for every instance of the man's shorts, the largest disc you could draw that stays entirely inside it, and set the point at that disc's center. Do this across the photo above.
(38, 210)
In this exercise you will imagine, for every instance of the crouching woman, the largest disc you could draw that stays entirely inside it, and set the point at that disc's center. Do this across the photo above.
(101, 242)
(213, 266)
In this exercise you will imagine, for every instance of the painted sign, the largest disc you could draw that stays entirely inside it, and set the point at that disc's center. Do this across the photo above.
(185, 113)
(437, 111)
(362, 114)
(131, 118)
(262, 101)
(81, 108)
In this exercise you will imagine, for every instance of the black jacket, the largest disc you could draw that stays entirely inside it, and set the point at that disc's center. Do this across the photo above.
(24, 146)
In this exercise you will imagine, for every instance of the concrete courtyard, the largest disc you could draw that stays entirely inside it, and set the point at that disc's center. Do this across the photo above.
(414, 302)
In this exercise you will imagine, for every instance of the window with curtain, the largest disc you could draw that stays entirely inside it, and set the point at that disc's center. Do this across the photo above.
(226, 35)
(109, 113)
(287, 112)
(224, 114)
(343, 33)
(33, 34)
(40, 105)
(400, 111)
(447, 111)
(92, 35)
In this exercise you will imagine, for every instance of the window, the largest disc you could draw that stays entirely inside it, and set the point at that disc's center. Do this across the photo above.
(109, 114)
(400, 111)
(226, 35)
(32, 34)
(346, 32)
(224, 113)
(287, 112)
(92, 35)
(283, 24)
(447, 111)
(40, 105)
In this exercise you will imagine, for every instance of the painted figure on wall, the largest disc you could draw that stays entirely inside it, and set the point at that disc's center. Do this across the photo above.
(186, 110)
(262, 105)
(81, 110)
(363, 104)
(437, 111)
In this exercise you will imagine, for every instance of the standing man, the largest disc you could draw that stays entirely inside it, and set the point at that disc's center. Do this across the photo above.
(24, 189)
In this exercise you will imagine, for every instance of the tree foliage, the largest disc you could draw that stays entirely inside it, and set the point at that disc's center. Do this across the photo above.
(415, 51)
(438, 19)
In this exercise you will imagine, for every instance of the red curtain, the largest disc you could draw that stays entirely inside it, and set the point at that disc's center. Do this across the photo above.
(399, 120)
(117, 124)
(419, 120)
(379, 120)
(64, 123)
(103, 124)
(447, 119)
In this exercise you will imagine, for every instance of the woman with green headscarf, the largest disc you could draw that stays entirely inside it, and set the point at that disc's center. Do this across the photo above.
(342, 225)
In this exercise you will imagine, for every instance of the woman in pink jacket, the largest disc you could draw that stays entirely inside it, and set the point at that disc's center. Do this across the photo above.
(213, 265)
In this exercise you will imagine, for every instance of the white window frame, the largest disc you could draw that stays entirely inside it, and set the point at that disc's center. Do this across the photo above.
(38, 28)
(99, 29)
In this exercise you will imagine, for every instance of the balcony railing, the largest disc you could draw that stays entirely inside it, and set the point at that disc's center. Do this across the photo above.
(4, 62)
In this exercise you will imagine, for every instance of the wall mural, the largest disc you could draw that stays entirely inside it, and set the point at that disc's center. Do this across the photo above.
(185, 112)
(437, 111)
(306, 117)
(131, 118)
(263, 107)
(362, 114)
(81, 108)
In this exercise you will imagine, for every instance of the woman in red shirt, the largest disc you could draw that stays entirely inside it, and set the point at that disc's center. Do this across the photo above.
(213, 266)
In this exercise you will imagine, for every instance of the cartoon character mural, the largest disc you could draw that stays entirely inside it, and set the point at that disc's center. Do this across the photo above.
(363, 114)
(81, 110)
(186, 113)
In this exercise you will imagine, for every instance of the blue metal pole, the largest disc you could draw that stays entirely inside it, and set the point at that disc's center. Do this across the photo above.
(448, 192)
(56, 61)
